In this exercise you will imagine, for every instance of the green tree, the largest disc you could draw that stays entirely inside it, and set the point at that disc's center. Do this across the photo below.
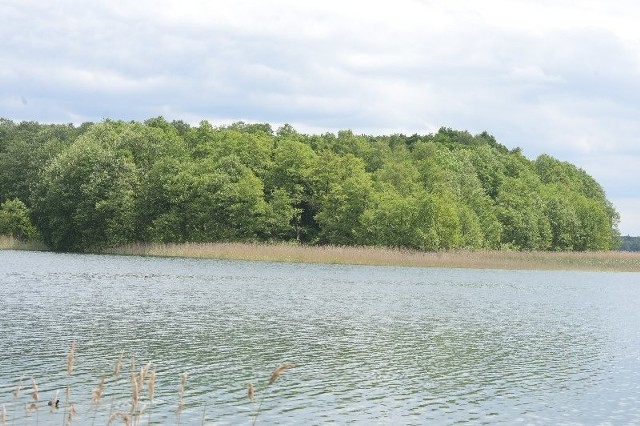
(288, 189)
(521, 212)
(28, 148)
(342, 190)
(86, 198)
(15, 221)
(203, 200)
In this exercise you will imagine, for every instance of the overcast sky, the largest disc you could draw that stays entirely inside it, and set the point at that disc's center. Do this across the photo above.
(558, 77)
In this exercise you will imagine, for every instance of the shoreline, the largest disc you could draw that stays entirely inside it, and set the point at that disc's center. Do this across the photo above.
(613, 261)
(380, 256)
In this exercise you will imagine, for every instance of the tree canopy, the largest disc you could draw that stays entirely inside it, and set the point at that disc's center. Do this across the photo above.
(105, 184)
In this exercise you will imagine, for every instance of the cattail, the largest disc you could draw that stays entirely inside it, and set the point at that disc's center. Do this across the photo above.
(116, 369)
(96, 393)
(71, 357)
(251, 392)
(279, 371)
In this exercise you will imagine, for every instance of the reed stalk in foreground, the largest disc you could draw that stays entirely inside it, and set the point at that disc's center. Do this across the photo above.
(96, 396)
(152, 390)
(142, 379)
(181, 390)
(279, 370)
(68, 408)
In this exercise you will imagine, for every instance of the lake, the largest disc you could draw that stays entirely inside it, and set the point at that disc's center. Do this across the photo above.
(370, 345)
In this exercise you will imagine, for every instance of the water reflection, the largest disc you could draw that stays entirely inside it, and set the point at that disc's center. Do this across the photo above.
(383, 345)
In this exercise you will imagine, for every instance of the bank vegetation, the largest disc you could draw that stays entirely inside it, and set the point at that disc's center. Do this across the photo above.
(103, 185)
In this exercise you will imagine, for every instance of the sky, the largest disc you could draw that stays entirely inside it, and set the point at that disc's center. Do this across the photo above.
(560, 77)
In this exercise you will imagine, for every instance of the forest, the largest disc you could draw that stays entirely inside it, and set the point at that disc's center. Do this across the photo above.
(96, 185)
(629, 243)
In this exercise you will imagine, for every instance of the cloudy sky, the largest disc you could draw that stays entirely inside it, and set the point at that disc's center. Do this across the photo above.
(560, 77)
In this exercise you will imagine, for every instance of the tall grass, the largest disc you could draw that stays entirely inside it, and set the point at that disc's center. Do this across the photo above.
(140, 398)
(7, 242)
(483, 259)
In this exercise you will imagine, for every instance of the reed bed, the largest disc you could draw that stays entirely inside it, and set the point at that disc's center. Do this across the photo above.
(480, 259)
(134, 408)
(7, 242)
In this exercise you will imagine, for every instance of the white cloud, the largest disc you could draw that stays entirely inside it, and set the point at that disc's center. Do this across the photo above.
(629, 209)
(559, 76)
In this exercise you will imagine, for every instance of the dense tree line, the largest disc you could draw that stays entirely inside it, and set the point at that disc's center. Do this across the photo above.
(630, 243)
(95, 185)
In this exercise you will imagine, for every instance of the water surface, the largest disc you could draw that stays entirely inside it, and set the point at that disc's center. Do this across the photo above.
(380, 345)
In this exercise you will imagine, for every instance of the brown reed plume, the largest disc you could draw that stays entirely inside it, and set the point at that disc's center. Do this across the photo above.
(116, 368)
(16, 391)
(96, 393)
(279, 371)
(151, 385)
(71, 358)
(251, 392)
(96, 396)
(152, 389)
(71, 413)
(135, 392)
(34, 393)
(181, 390)
(125, 418)
(16, 394)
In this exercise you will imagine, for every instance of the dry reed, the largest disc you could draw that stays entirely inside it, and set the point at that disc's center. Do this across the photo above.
(251, 392)
(71, 414)
(140, 379)
(181, 390)
(71, 358)
(118, 365)
(125, 418)
(34, 393)
(479, 259)
(16, 391)
(7, 242)
(96, 393)
(279, 371)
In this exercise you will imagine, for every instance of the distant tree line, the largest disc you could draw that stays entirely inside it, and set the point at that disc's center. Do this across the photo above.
(97, 185)
(630, 243)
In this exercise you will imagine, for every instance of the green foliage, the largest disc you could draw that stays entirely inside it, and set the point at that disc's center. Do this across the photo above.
(15, 221)
(521, 212)
(630, 243)
(105, 184)
(342, 190)
(86, 198)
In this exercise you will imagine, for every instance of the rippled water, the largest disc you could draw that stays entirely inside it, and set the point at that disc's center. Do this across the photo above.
(376, 345)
